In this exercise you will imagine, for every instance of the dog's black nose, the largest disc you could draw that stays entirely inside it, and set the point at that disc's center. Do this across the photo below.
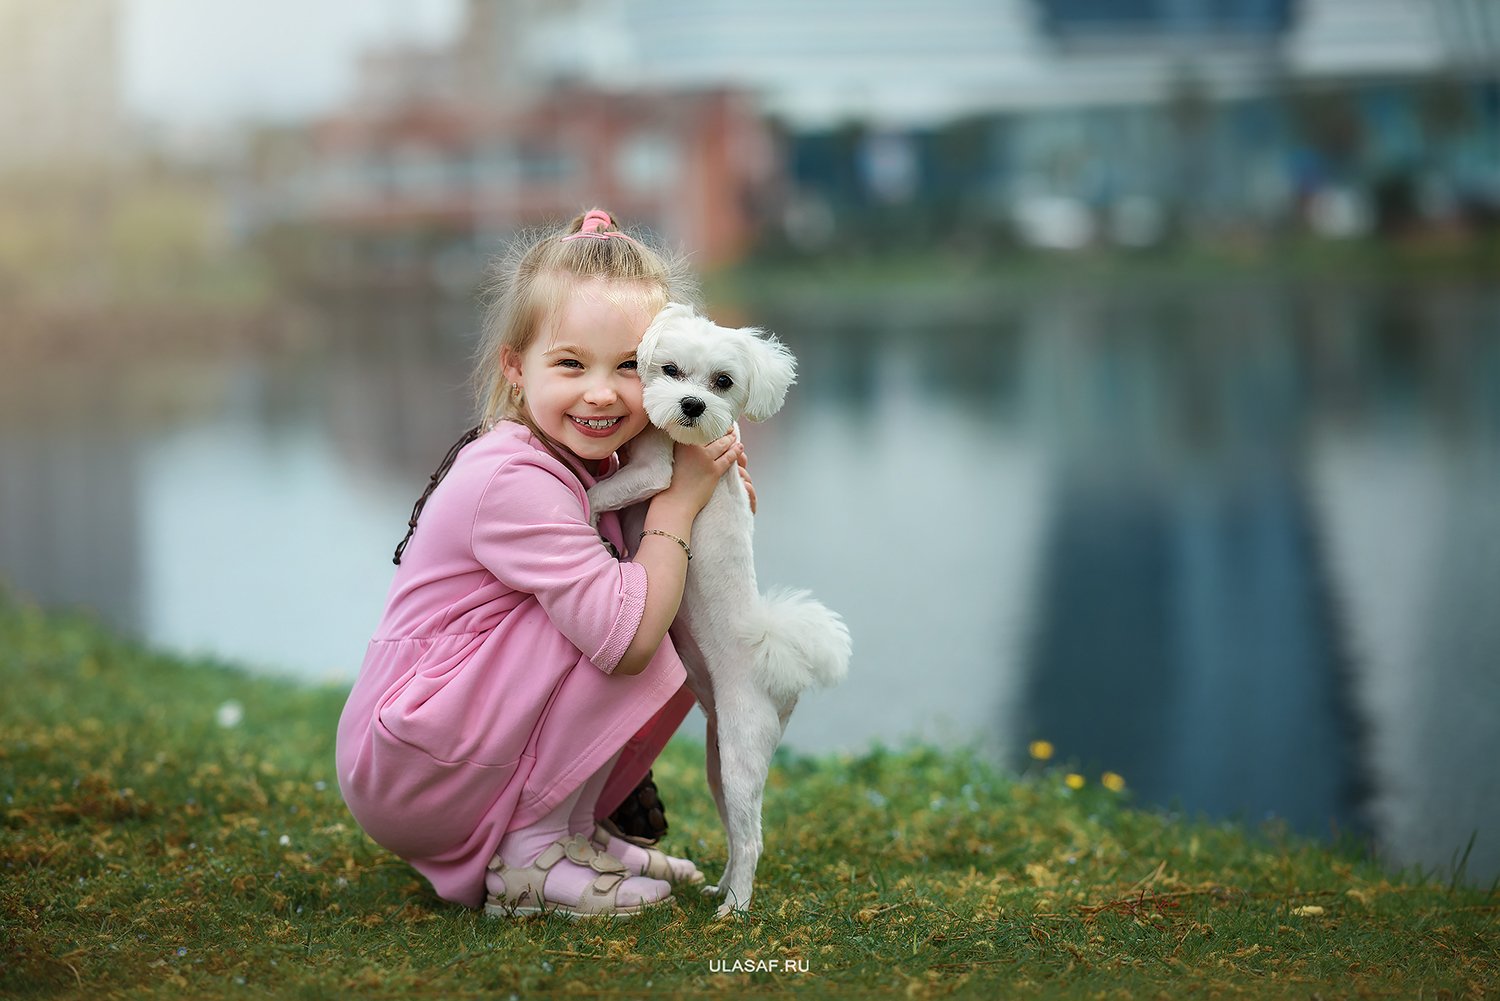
(692, 406)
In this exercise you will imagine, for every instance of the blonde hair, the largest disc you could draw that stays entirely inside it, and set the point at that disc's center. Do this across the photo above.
(529, 284)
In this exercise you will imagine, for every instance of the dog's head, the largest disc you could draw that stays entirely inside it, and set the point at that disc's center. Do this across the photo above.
(698, 378)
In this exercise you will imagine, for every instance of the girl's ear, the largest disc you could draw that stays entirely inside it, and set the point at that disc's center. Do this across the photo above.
(770, 369)
(510, 363)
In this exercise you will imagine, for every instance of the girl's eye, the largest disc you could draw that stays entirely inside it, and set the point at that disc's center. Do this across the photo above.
(669, 370)
(571, 363)
(629, 366)
(723, 381)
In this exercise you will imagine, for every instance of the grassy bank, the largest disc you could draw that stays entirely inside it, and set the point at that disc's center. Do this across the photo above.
(944, 279)
(174, 827)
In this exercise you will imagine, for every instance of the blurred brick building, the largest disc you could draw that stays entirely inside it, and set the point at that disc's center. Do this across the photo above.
(443, 153)
(685, 164)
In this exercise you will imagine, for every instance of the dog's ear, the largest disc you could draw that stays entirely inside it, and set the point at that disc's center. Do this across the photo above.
(669, 313)
(770, 370)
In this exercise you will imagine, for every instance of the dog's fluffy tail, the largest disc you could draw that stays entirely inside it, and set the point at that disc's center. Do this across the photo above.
(797, 642)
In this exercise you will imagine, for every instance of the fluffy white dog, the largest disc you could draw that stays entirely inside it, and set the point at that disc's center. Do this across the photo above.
(748, 657)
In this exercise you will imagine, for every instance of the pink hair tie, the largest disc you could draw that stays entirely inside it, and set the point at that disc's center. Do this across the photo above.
(594, 222)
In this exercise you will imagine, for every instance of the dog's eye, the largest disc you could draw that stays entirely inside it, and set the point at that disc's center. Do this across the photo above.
(723, 381)
(669, 370)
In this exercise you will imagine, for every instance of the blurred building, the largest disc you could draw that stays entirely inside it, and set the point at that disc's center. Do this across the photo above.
(59, 83)
(445, 152)
(1069, 123)
(819, 65)
(918, 63)
(828, 124)
(1251, 117)
(1121, 122)
(428, 190)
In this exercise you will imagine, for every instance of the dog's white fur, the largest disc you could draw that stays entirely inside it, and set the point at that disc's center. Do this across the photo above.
(748, 657)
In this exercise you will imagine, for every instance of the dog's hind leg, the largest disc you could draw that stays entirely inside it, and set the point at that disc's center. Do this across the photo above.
(746, 744)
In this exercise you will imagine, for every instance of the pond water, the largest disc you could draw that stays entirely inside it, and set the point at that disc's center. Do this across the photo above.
(1239, 543)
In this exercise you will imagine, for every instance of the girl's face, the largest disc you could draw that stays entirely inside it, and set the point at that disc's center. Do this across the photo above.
(579, 378)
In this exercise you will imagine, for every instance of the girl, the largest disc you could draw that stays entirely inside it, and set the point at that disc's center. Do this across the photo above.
(520, 681)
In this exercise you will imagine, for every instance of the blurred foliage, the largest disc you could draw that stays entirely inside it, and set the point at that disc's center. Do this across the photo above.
(103, 263)
(116, 236)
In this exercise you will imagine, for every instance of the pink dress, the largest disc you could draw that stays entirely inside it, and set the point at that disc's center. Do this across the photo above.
(486, 696)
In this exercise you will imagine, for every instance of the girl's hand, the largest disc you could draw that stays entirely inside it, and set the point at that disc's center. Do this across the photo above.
(697, 468)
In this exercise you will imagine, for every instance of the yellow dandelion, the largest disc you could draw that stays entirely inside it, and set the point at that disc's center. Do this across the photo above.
(1112, 781)
(1075, 781)
(1041, 750)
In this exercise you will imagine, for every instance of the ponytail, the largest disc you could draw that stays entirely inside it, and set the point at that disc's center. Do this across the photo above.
(432, 482)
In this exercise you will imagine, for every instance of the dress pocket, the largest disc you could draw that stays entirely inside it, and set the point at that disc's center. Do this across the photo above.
(417, 805)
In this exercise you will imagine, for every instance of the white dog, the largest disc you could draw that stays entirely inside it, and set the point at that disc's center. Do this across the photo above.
(748, 657)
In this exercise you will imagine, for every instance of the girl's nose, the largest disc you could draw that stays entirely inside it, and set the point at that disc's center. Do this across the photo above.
(600, 392)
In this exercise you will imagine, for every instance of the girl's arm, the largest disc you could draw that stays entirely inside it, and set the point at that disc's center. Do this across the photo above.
(695, 471)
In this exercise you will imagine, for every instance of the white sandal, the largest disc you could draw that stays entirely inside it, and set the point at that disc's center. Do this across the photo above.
(657, 865)
(523, 884)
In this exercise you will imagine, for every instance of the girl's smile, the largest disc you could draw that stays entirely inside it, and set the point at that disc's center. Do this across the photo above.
(596, 427)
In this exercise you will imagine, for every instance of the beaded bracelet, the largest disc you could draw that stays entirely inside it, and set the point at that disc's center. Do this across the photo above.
(668, 535)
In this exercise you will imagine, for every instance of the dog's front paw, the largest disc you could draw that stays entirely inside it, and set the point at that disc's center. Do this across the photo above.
(712, 891)
(727, 910)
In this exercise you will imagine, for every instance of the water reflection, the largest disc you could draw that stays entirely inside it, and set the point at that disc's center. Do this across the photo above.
(1238, 543)
(68, 519)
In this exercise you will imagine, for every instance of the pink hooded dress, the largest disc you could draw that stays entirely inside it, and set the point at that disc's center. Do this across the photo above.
(486, 695)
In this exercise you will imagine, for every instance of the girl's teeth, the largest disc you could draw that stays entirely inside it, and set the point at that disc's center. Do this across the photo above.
(597, 425)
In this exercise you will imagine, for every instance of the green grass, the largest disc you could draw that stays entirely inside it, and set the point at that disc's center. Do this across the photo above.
(947, 278)
(148, 851)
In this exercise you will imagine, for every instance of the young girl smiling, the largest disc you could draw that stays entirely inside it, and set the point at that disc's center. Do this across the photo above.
(521, 680)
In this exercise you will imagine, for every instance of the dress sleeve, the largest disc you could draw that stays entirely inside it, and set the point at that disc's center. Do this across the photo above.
(531, 530)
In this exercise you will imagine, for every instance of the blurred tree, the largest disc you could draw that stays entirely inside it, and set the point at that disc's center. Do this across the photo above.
(1445, 107)
(1190, 110)
(1330, 122)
